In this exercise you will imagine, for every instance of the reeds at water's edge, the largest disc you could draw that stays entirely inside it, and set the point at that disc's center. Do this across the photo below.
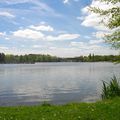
(111, 89)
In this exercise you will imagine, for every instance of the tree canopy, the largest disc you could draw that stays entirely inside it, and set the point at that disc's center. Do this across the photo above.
(33, 58)
(113, 23)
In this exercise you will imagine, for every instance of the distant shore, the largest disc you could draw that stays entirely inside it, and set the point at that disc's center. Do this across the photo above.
(37, 58)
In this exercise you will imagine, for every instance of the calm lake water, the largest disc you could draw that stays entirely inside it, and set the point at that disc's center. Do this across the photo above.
(58, 83)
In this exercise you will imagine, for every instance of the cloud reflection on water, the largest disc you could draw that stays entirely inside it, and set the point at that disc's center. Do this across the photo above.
(56, 83)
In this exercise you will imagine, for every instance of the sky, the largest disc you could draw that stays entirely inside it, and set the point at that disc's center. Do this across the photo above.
(64, 28)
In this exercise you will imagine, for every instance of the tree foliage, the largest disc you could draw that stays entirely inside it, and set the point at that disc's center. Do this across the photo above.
(33, 58)
(2, 57)
(30, 58)
(113, 14)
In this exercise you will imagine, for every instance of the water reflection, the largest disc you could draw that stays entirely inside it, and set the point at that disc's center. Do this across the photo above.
(54, 82)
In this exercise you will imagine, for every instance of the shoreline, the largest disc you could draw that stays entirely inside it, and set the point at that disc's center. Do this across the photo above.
(100, 110)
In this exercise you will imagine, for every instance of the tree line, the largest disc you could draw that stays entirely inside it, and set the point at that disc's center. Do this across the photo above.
(30, 58)
(95, 58)
(33, 58)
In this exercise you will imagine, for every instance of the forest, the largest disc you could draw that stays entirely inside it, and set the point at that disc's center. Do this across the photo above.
(34, 58)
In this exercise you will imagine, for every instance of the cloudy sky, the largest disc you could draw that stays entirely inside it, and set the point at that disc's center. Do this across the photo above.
(56, 27)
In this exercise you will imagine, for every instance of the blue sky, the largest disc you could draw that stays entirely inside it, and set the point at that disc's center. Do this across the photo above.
(63, 28)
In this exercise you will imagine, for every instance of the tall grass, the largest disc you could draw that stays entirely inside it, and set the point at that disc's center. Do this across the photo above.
(111, 89)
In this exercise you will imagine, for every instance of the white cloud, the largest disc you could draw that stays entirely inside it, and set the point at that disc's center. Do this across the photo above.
(91, 45)
(42, 28)
(70, 51)
(99, 34)
(63, 37)
(7, 38)
(85, 10)
(94, 20)
(86, 48)
(28, 34)
(78, 50)
(13, 1)
(65, 1)
(22, 46)
(52, 48)
(38, 46)
(91, 20)
(44, 8)
(37, 6)
(96, 41)
(6, 14)
(78, 44)
(2, 34)
(101, 5)
(38, 35)
(3, 48)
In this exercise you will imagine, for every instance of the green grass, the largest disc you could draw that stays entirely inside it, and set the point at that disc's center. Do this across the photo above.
(103, 110)
(111, 89)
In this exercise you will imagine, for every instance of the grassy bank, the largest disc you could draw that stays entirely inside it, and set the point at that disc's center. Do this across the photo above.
(103, 110)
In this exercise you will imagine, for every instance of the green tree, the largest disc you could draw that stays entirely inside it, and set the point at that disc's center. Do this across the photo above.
(2, 58)
(90, 57)
(113, 23)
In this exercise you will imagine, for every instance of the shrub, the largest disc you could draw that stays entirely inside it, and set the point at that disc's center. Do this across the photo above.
(111, 89)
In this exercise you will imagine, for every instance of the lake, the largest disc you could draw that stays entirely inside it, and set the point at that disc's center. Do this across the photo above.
(57, 83)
